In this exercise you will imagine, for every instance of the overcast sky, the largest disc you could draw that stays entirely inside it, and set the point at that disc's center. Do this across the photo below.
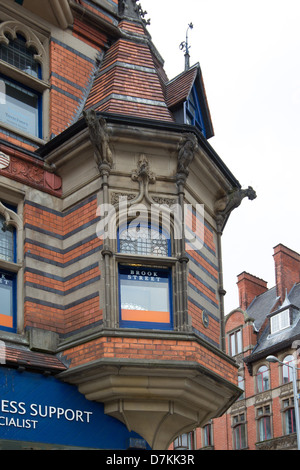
(249, 53)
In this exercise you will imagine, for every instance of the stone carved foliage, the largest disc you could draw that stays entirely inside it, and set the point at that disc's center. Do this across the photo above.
(143, 173)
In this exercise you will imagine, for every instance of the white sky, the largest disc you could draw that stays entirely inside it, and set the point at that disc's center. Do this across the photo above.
(249, 53)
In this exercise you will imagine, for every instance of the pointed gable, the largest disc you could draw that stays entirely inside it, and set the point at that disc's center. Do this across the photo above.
(186, 99)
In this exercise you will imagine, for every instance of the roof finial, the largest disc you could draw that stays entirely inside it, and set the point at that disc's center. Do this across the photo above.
(185, 45)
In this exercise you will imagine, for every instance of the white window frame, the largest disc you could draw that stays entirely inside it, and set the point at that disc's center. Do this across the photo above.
(280, 321)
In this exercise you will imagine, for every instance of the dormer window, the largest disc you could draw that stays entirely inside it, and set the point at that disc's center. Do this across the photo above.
(193, 115)
(280, 321)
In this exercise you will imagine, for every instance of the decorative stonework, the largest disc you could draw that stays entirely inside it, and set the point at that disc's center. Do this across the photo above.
(10, 29)
(186, 152)
(143, 173)
(32, 173)
(119, 197)
(230, 201)
(4, 160)
(166, 201)
(100, 139)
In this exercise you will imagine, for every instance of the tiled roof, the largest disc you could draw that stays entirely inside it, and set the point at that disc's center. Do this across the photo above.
(19, 357)
(128, 83)
(259, 310)
(178, 89)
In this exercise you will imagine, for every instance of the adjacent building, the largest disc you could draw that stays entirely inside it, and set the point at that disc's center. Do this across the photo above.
(267, 323)
(112, 207)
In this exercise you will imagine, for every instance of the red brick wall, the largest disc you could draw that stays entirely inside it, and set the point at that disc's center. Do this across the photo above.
(151, 349)
(52, 227)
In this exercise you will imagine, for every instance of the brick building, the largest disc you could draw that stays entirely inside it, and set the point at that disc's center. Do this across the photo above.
(266, 323)
(112, 206)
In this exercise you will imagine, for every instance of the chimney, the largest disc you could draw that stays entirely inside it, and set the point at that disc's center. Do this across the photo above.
(287, 269)
(249, 287)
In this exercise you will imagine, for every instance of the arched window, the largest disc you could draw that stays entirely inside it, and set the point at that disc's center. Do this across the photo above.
(143, 240)
(286, 369)
(22, 58)
(262, 379)
(145, 289)
(17, 53)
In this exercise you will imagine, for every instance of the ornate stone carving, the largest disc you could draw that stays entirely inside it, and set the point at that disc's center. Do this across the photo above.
(164, 200)
(100, 139)
(186, 152)
(31, 173)
(230, 201)
(143, 173)
(117, 197)
(11, 218)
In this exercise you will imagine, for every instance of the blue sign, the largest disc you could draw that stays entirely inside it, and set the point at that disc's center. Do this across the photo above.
(37, 408)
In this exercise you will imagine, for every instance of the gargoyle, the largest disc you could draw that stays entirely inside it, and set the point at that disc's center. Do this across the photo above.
(99, 138)
(226, 204)
(186, 152)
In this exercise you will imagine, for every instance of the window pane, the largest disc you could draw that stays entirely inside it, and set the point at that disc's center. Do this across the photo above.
(143, 240)
(6, 241)
(6, 300)
(239, 341)
(16, 53)
(262, 379)
(232, 345)
(264, 425)
(20, 107)
(240, 437)
(285, 319)
(286, 370)
(145, 295)
(6, 295)
(290, 421)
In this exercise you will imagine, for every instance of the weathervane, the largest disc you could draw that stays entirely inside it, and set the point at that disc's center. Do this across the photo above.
(185, 45)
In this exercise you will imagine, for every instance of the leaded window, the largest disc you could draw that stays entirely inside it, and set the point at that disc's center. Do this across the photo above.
(16, 53)
(143, 240)
(7, 241)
